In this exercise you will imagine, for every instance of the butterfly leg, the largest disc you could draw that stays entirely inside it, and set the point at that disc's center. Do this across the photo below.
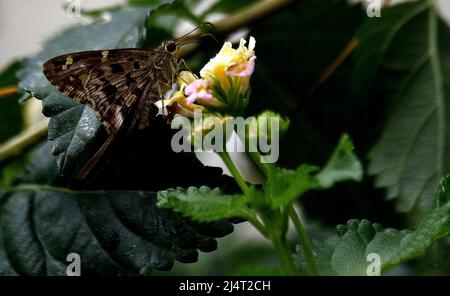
(89, 166)
(182, 63)
(162, 96)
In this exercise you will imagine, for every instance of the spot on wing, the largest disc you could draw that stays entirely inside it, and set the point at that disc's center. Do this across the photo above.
(84, 79)
(105, 56)
(117, 68)
(109, 90)
(69, 61)
(136, 65)
(129, 79)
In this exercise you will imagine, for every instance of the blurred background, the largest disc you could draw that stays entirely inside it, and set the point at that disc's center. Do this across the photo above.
(22, 35)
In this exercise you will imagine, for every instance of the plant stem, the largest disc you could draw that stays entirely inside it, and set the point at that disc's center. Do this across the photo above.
(244, 17)
(235, 172)
(278, 238)
(256, 223)
(8, 91)
(283, 254)
(306, 242)
(341, 58)
(20, 142)
(256, 157)
(250, 14)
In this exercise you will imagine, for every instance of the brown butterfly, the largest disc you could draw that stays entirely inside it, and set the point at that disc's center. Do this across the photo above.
(120, 85)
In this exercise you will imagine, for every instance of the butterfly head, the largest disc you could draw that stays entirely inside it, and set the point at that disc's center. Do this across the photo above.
(171, 47)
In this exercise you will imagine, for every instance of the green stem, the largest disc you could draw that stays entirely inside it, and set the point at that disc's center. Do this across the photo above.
(234, 171)
(283, 254)
(266, 168)
(306, 242)
(285, 220)
(255, 222)
(279, 241)
(256, 157)
(269, 229)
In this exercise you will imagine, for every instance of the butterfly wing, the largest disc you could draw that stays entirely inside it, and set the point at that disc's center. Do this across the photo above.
(120, 85)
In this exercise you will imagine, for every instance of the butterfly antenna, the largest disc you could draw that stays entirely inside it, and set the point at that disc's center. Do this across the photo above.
(193, 30)
(201, 36)
(210, 35)
(187, 43)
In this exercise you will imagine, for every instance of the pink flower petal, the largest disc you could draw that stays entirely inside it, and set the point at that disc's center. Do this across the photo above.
(198, 90)
(201, 95)
(242, 70)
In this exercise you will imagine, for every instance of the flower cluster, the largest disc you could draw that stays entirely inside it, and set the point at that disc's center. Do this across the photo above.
(223, 85)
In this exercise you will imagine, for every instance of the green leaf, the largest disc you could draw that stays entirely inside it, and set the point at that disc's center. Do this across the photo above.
(346, 252)
(114, 232)
(377, 35)
(410, 47)
(11, 117)
(203, 204)
(342, 166)
(284, 186)
(73, 128)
